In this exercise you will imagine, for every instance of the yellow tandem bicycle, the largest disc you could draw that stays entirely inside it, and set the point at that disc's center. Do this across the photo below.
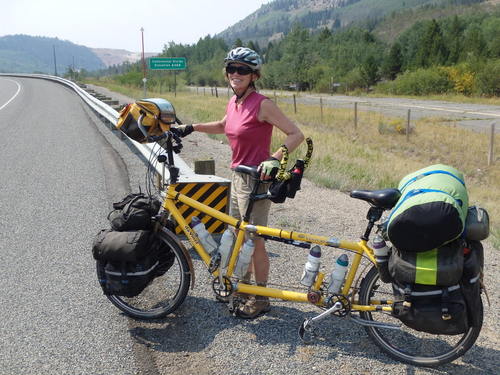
(363, 298)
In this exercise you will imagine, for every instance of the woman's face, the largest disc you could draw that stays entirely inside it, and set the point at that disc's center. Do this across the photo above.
(240, 82)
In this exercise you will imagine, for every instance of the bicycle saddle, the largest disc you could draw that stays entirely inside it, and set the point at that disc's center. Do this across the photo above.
(385, 198)
(252, 171)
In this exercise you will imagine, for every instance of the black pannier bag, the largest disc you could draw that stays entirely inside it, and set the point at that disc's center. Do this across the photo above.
(471, 282)
(435, 310)
(438, 267)
(129, 279)
(129, 246)
(134, 212)
(130, 260)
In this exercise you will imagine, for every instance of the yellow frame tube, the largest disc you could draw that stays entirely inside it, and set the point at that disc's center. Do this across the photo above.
(286, 295)
(360, 248)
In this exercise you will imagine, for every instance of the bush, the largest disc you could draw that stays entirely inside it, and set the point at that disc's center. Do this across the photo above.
(488, 79)
(462, 78)
(420, 82)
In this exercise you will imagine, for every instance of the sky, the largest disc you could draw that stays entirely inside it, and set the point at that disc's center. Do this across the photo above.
(117, 24)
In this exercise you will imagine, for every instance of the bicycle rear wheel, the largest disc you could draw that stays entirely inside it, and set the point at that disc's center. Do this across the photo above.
(406, 344)
(164, 294)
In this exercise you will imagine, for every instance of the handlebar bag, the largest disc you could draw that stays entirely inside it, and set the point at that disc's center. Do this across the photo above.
(280, 190)
(431, 211)
(158, 113)
(134, 212)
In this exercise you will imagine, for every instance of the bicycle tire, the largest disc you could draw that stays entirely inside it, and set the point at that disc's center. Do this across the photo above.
(409, 345)
(163, 295)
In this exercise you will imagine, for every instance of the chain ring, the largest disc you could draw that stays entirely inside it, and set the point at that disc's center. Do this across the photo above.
(225, 291)
(346, 304)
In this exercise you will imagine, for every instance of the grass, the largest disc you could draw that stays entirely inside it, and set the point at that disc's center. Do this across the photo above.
(369, 157)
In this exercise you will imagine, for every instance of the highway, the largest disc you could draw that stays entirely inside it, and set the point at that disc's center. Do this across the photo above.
(54, 198)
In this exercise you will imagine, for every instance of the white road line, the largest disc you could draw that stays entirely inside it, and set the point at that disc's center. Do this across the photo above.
(11, 99)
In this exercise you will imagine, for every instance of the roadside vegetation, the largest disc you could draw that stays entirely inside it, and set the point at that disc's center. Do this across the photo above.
(456, 55)
(375, 155)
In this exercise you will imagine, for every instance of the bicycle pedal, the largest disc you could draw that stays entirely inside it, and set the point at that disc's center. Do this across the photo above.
(233, 304)
(307, 332)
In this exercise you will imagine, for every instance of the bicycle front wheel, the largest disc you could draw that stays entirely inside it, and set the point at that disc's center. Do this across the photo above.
(164, 294)
(406, 344)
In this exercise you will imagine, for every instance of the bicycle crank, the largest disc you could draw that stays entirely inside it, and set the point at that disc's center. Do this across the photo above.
(307, 331)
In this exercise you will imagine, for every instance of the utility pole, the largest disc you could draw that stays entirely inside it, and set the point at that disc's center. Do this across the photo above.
(55, 62)
(144, 79)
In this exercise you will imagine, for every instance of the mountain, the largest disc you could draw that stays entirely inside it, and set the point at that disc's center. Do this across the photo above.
(30, 54)
(271, 21)
(110, 56)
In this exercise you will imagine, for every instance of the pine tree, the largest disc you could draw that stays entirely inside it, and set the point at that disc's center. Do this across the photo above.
(393, 62)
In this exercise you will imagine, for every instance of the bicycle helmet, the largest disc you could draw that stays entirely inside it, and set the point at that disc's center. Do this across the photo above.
(245, 56)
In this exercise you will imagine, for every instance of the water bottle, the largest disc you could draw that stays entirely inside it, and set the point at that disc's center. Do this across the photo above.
(311, 267)
(225, 246)
(244, 259)
(338, 274)
(382, 253)
(205, 237)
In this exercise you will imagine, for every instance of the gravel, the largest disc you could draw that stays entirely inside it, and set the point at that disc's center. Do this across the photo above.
(201, 337)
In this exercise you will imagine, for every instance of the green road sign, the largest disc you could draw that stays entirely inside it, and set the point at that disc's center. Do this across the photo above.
(167, 63)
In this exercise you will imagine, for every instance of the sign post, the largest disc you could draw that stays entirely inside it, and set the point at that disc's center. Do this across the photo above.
(168, 63)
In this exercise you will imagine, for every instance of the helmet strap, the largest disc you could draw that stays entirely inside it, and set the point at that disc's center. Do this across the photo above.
(238, 97)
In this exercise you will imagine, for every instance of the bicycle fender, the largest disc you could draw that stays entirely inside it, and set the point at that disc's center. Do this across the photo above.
(167, 235)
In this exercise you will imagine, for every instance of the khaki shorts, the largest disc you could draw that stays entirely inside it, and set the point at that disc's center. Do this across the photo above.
(241, 187)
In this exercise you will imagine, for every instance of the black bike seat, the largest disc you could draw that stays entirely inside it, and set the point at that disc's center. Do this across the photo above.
(385, 198)
(251, 170)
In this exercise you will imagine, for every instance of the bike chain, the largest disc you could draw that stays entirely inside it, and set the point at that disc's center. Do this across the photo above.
(346, 304)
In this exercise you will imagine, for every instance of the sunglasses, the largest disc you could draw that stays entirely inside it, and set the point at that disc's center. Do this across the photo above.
(242, 70)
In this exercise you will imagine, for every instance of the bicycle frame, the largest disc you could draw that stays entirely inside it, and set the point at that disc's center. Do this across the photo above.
(358, 248)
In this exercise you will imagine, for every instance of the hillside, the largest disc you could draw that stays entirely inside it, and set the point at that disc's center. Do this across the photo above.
(35, 54)
(277, 18)
(110, 56)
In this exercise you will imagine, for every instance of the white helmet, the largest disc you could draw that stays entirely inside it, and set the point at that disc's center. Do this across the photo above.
(245, 56)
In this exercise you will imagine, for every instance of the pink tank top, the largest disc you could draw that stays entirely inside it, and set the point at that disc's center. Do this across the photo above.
(249, 138)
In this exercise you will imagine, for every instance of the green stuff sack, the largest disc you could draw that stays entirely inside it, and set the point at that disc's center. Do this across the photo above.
(431, 211)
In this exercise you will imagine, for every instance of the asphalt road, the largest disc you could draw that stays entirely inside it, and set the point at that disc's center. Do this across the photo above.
(54, 195)
(477, 117)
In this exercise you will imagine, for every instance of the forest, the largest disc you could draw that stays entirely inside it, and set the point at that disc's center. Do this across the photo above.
(459, 54)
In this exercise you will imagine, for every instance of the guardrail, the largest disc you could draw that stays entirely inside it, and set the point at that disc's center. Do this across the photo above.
(186, 174)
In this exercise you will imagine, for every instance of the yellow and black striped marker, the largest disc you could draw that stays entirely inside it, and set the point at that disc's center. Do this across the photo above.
(215, 195)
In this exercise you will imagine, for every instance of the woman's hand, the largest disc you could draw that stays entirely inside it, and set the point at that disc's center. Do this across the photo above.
(268, 168)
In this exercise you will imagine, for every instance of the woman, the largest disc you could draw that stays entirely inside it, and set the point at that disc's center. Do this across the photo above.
(248, 125)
